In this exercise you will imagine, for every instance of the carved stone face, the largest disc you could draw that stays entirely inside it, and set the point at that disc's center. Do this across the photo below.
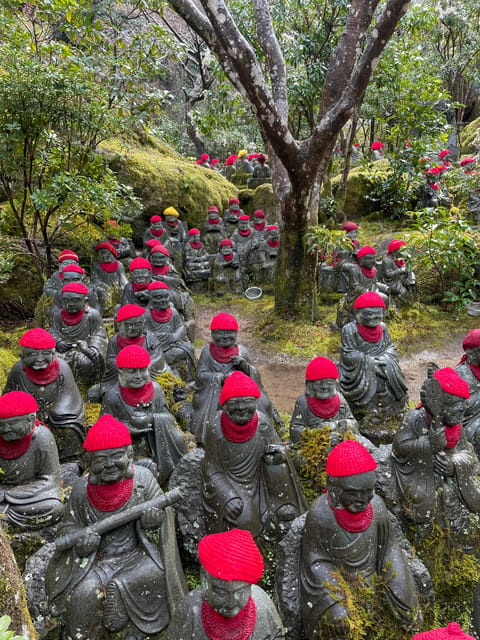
(140, 276)
(65, 263)
(240, 410)
(159, 298)
(158, 259)
(352, 492)
(353, 234)
(73, 302)
(171, 219)
(72, 276)
(16, 427)
(370, 316)
(226, 250)
(37, 359)
(453, 409)
(367, 261)
(108, 466)
(273, 235)
(473, 356)
(224, 337)
(156, 225)
(321, 389)
(227, 597)
(243, 225)
(134, 378)
(104, 255)
(132, 327)
(213, 215)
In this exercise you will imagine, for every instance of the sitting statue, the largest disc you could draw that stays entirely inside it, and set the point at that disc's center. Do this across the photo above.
(231, 216)
(217, 361)
(226, 275)
(248, 480)
(140, 403)
(431, 193)
(74, 273)
(434, 467)
(259, 224)
(322, 405)
(228, 603)
(377, 149)
(246, 243)
(109, 576)
(370, 375)
(177, 234)
(125, 247)
(155, 231)
(30, 482)
(164, 321)
(108, 277)
(346, 256)
(55, 283)
(80, 334)
(261, 173)
(228, 169)
(196, 262)
(265, 256)
(50, 381)
(135, 291)
(398, 277)
(469, 369)
(213, 231)
(348, 528)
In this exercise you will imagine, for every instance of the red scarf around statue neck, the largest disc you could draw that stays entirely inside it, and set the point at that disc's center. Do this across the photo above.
(245, 233)
(134, 397)
(222, 354)
(453, 434)
(157, 232)
(259, 226)
(123, 341)
(45, 376)
(369, 273)
(475, 370)
(139, 286)
(217, 627)
(401, 262)
(109, 267)
(195, 245)
(71, 319)
(273, 243)
(238, 432)
(370, 334)
(213, 221)
(109, 497)
(162, 315)
(324, 408)
(352, 522)
(228, 257)
(12, 449)
(161, 271)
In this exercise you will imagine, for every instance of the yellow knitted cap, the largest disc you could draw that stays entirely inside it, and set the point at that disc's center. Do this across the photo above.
(171, 211)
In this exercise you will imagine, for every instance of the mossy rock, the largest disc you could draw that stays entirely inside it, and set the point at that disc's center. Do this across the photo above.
(9, 351)
(468, 136)
(19, 294)
(355, 205)
(264, 199)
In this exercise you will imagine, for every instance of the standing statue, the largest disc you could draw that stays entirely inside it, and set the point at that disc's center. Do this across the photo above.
(155, 231)
(346, 256)
(50, 381)
(118, 542)
(228, 603)
(469, 369)
(213, 231)
(246, 245)
(108, 277)
(259, 223)
(377, 149)
(54, 283)
(265, 256)
(248, 480)
(135, 292)
(196, 262)
(226, 274)
(349, 529)
(261, 173)
(398, 277)
(30, 482)
(370, 374)
(231, 216)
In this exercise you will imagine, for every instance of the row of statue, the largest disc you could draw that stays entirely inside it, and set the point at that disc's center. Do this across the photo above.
(242, 169)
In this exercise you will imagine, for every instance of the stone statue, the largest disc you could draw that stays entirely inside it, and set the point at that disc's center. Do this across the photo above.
(30, 482)
(177, 233)
(50, 381)
(125, 247)
(228, 603)
(54, 283)
(434, 467)
(259, 223)
(140, 403)
(348, 528)
(246, 246)
(155, 231)
(322, 405)
(222, 356)
(346, 256)
(228, 169)
(431, 193)
(231, 215)
(226, 275)
(370, 375)
(117, 540)
(196, 262)
(261, 173)
(108, 277)
(398, 277)
(248, 480)
(243, 168)
(73, 273)
(213, 231)
(453, 631)
(377, 149)
(265, 256)
(469, 369)
(135, 292)
(80, 334)
(164, 321)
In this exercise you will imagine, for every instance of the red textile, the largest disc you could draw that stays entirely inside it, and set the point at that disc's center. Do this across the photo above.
(238, 432)
(45, 376)
(109, 497)
(157, 232)
(241, 627)
(162, 315)
(109, 267)
(324, 408)
(139, 286)
(453, 434)
(370, 334)
(369, 273)
(123, 341)
(220, 354)
(353, 522)
(161, 271)
(195, 245)
(228, 257)
(71, 318)
(10, 450)
(213, 221)
(134, 397)
(273, 243)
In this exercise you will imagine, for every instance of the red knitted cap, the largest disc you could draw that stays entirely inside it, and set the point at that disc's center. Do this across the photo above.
(224, 321)
(453, 631)
(377, 145)
(348, 459)
(466, 161)
(234, 201)
(244, 217)
(159, 248)
(349, 226)
(193, 231)
(226, 242)
(68, 255)
(272, 227)
(155, 219)
(394, 245)
(365, 251)
(133, 357)
(321, 368)
(368, 299)
(472, 339)
(204, 157)
(129, 311)
(238, 385)
(443, 153)
(153, 243)
(231, 555)
(212, 208)
(107, 433)
(75, 268)
(108, 246)
(17, 403)
(158, 284)
(37, 339)
(258, 214)
(452, 383)
(75, 287)
(139, 263)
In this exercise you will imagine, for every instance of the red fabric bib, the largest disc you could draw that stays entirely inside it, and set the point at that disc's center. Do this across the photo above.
(353, 522)
(139, 286)
(369, 273)
(195, 245)
(238, 432)
(10, 450)
(157, 232)
(324, 408)
(220, 354)
(162, 315)
(214, 221)
(453, 435)
(134, 397)
(229, 257)
(172, 223)
(109, 267)
(109, 497)
(273, 243)
(400, 263)
(161, 271)
(259, 226)
(241, 627)
(123, 341)
(245, 233)
(71, 318)
(370, 334)
(45, 376)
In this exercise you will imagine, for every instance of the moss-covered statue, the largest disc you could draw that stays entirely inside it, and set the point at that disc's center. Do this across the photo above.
(213, 231)
(348, 534)
(30, 482)
(231, 215)
(469, 369)
(397, 275)
(226, 274)
(370, 375)
(346, 256)
(54, 283)
(50, 381)
(196, 262)
(108, 276)
(228, 603)
(116, 571)
(259, 223)
(248, 480)
(135, 291)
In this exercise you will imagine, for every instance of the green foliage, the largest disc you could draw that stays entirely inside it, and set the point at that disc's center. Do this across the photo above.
(5, 634)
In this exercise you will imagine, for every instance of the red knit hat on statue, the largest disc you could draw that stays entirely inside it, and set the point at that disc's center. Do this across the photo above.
(258, 214)
(238, 385)
(472, 339)
(107, 433)
(272, 227)
(245, 218)
(226, 242)
(234, 201)
(129, 311)
(321, 368)
(453, 631)
(17, 403)
(194, 232)
(75, 287)
(68, 255)
(348, 459)
(139, 263)
(108, 246)
(349, 226)
(368, 299)
(37, 339)
(154, 242)
(231, 555)
(159, 248)
(224, 321)
(133, 357)
(73, 268)
(395, 245)
(452, 383)
(213, 208)
(157, 284)
(154, 219)
(366, 250)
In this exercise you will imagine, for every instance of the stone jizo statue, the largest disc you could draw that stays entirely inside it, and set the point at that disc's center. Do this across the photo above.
(231, 215)
(155, 231)
(108, 276)
(396, 274)
(469, 369)
(140, 277)
(196, 262)
(226, 274)
(213, 231)
(54, 283)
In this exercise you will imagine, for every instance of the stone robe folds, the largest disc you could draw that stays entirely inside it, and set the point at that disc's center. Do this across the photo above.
(327, 547)
(175, 343)
(471, 417)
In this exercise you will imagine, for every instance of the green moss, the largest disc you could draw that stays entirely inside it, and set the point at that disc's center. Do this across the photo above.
(355, 204)
(469, 137)
(9, 351)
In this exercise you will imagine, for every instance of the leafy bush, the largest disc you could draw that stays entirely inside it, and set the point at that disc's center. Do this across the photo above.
(5, 634)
